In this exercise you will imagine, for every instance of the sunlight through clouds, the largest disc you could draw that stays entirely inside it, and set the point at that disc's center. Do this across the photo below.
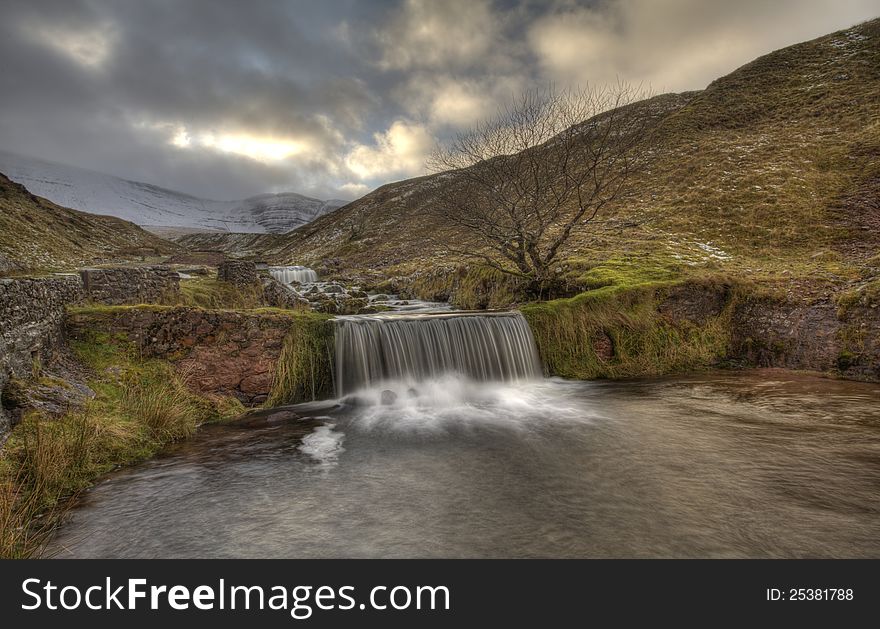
(334, 99)
(400, 151)
(260, 149)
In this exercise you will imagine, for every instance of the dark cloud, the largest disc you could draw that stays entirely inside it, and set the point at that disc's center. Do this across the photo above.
(226, 99)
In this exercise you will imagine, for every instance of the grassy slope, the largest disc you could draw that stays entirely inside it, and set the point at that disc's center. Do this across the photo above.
(772, 172)
(235, 245)
(37, 234)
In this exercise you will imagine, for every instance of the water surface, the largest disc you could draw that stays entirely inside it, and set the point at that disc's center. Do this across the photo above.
(752, 464)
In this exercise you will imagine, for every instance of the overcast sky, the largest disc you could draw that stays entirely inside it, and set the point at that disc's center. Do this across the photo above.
(225, 99)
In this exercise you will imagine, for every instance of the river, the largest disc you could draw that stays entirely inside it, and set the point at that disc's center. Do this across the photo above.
(723, 464)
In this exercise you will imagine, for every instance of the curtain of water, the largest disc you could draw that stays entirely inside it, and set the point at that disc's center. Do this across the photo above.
(484, 347)
(291, 274)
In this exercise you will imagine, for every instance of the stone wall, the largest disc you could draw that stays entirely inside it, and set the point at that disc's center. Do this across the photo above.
(240, 272)
(129, 285)
(31, 330)
(223, 352)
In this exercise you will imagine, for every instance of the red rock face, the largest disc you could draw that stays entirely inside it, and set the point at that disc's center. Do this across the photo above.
(229, 353)
(603, 347)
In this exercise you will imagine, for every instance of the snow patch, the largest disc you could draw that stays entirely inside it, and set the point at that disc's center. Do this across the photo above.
(148, 205)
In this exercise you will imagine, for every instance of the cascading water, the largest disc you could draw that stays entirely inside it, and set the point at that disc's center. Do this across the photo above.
(485, 346)
(293, 274)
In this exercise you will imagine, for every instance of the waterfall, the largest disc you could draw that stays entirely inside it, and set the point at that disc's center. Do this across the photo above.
(293, 274)
(485, 346)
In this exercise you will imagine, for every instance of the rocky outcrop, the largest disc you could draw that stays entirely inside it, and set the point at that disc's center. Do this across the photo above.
(238, 272)
(279, 296)
(815, 335)
(129, 285)
(336, 299)
(694, 302)
(216, 351)
(31, 330)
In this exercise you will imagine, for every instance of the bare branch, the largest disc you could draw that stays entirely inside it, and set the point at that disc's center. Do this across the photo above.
(542, 169)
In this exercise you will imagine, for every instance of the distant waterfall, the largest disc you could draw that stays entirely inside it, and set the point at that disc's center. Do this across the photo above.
(293, 274)
(488, 346)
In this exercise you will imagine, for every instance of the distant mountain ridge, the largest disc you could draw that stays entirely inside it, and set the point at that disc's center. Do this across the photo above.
(152, 206)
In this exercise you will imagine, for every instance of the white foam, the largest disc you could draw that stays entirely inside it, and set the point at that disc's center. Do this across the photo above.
(456, 401)
(323, 444)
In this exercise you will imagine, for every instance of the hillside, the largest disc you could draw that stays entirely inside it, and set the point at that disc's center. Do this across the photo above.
(152, 206)
(37, 234)
(233, 245)
(772, 172)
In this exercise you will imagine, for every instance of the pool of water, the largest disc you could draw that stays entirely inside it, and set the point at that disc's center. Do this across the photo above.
(750, 464)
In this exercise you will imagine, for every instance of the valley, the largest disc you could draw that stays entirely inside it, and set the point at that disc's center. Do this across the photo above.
(685, 339)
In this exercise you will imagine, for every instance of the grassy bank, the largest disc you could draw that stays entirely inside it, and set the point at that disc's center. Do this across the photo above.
(619, 331)
(139, 407)
(305, 368)
(471, 287)
(209, 292)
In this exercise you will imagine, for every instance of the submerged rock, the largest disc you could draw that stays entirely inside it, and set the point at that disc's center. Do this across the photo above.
(388, 397)
(281, 416)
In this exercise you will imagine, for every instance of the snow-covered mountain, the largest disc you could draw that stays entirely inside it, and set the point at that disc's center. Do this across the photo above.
(152, 206)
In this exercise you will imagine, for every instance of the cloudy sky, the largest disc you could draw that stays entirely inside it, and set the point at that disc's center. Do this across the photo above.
(225, 99)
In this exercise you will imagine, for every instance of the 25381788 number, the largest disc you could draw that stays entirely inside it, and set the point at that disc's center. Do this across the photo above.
(810, 594)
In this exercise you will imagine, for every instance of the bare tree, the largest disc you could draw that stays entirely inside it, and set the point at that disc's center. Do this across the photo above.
(544, 166)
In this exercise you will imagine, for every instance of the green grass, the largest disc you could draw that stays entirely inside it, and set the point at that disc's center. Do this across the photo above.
(471, 287)
(304, 370)
(210, 293)
(140, 406)
(865, 295)
(624, 320)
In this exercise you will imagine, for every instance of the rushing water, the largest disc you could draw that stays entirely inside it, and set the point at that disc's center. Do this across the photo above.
(750, 464)
(411, 348)
(293, 274)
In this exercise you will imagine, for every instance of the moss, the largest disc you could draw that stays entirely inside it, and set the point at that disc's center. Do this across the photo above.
(304, 370)
(867, 294)
(846, 359)
(852, 338)
(620, 271)
(643, 341)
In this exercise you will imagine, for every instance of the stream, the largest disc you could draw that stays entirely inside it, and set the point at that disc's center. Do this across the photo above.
(722, 464)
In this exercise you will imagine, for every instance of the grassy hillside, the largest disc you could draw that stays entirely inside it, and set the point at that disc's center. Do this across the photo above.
(37, 234)
(771, 172)
(232, 244)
